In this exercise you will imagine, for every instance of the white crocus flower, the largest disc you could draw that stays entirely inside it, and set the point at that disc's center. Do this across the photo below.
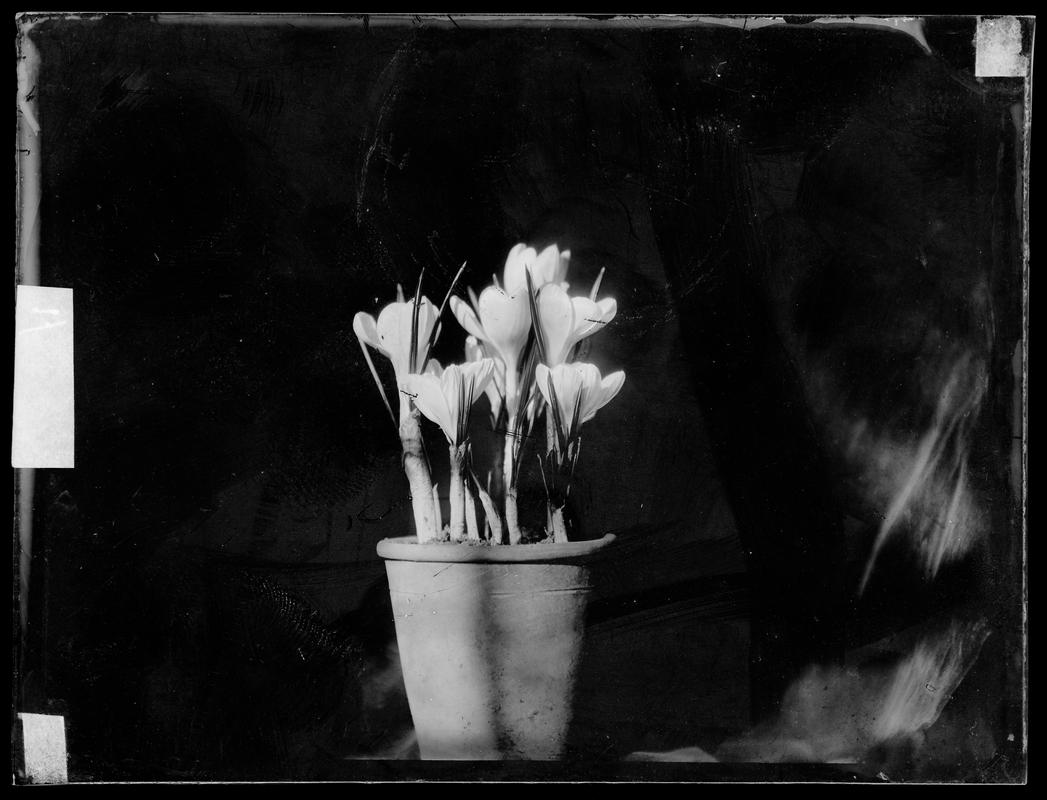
(447, 396)
(565, 320)
(502, 322)
(549, 266)
(578, 390)
(501, 318)
(574, 393)
(390, 335)
(403, 333)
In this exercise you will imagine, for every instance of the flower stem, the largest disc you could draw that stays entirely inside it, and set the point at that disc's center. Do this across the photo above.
(512, 522)
(494, 521)
(472, 524)
(559, 524)
(457, 496)
(551, 443)
(416, 468)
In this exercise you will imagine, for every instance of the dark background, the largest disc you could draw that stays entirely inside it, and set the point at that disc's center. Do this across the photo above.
(778, 210)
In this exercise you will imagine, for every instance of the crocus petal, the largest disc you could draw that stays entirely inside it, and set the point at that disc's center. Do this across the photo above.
(367, 333)
(545, 265)
(564, 381)
(479, 374)
(393, 341)
(450, 387)
(590, 317)
(365, 329)
(556, 316)
(394, 331)
(564, 263)
(586, 319)
(572, 380)
(520, 259)
(467, 318)
(577, 384)
(548, 267)
(506, 321)
(495, 390)
(497, 378)
(459, 377)
(541, 377)
(476, 350)
(599, 395)
(430, 400)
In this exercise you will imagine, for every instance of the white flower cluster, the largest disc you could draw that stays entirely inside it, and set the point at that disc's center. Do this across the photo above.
(522, 335)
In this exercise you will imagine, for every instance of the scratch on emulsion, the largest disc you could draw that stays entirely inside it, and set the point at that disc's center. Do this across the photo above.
(386, 77)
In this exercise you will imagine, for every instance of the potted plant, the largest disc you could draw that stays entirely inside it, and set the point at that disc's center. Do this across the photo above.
(489, 608)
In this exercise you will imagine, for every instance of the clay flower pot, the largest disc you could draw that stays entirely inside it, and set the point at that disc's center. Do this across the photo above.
(490, 640)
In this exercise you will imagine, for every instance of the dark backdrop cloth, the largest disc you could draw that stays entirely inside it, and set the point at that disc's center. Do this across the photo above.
(771, 207)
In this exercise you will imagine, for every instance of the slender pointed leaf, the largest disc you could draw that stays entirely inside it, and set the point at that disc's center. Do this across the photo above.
(575, 424)
(412, 364)
(492, 519)
(378, 382)
(596, 284)
(574, 463)
(554, 404)
(541, 469)
(469, 397)
(439, 327)
(536, 326)
(472, 525)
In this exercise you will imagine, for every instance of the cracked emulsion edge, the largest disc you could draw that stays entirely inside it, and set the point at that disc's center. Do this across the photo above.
(1026, 160)
(27, 266)
(908, 25)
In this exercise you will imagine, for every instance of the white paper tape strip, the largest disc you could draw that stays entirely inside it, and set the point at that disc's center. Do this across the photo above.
(998, 49)
(44, 757)
(42, 425)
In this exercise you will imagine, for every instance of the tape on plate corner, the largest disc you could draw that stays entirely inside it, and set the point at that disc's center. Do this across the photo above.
(998, 48)
(42, 425)
(44, 758)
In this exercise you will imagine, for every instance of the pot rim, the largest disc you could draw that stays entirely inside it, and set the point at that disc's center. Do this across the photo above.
(407, 548)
